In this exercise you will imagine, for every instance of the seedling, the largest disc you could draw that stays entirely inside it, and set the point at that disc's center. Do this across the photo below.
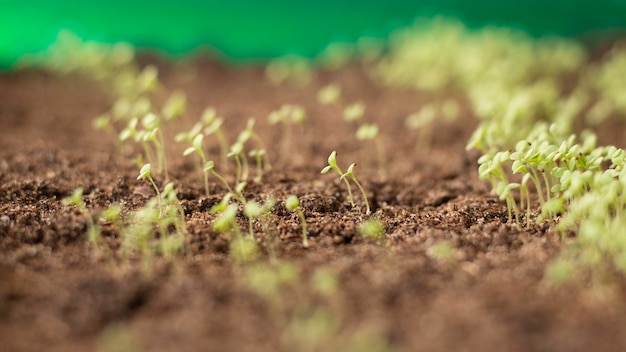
(291, 68)
(76, 199)
(213, 125)
(144, 173)
(292, 203)
(250, 134)
(288, 115)
(330, 94)
(442, 251)
(253, 210)
(227, 219)
(370, 132)
(422, 120)
(210, 167)
(243, 249)
(175, 106)
(196, 147)
(373, 229)
(258, 156)
(242, 167)
(325, 282)
(354, 112)
(349, 174)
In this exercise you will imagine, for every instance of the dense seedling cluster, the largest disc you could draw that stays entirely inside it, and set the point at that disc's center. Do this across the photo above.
(530, 95)
(520, 89)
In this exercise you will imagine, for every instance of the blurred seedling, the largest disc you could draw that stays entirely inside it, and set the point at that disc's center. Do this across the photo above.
(258, 156)
(236, 151)
(329, 95)
(213, 125)
(104, 123)
(325, 281)
(344, 176)
(292, 203)
(227, 216)
(175, 106)
(373, 229)
(268, 281)
(253, 210)
(354, 112)
(145, 173)
(210, 167)
(76, 199)
(291, 69)
(370, 132)
(243, 249)
(250, 134)
(442, 251)
(287, 115)
(423, 120)
(196, 147)
(151, 139)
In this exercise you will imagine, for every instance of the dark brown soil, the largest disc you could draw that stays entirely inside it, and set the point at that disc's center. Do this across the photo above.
(57, 293)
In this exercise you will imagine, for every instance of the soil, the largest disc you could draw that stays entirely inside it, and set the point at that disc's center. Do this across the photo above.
(58, 293)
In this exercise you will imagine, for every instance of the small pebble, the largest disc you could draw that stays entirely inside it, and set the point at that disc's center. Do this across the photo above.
(5, 219)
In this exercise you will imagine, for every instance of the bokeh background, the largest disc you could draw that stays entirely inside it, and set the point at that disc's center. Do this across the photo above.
(247, 29)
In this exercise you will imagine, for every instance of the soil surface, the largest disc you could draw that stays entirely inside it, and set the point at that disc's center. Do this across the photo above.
(58, 293)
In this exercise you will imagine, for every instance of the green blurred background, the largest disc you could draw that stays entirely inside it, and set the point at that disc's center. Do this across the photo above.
(241, 29)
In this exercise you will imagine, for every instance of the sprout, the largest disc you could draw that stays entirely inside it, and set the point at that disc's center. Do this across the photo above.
(354, 112)
(293, 69)
(213, 125)
(443, 251)
(210, 167)
(258, 156)
(144, 173)
(370, 131)
(235, 151)
(329, 94)
(175, 106)
(292, 203)
(196, 147)
(349, 174)
(287, 115)
(325, 281)
(76, 199)
(147, 79)
(243, 249)
(373, 228)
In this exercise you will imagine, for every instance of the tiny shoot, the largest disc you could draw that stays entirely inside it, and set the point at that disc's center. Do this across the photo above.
(349, 174)
(292, 203)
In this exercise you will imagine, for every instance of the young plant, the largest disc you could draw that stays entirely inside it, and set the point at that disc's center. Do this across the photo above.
(175, 106)
(210, 167)
(373, 229)
(330, 94)
(288, 115)
(76, 199)
(370, 132)
(250, 134)
(236, 150)
(344, 176)
(354, 112)
(292, 203)
(258, 156)
(253, 210)
(196, 147)
(213, 125)
(144, 173)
